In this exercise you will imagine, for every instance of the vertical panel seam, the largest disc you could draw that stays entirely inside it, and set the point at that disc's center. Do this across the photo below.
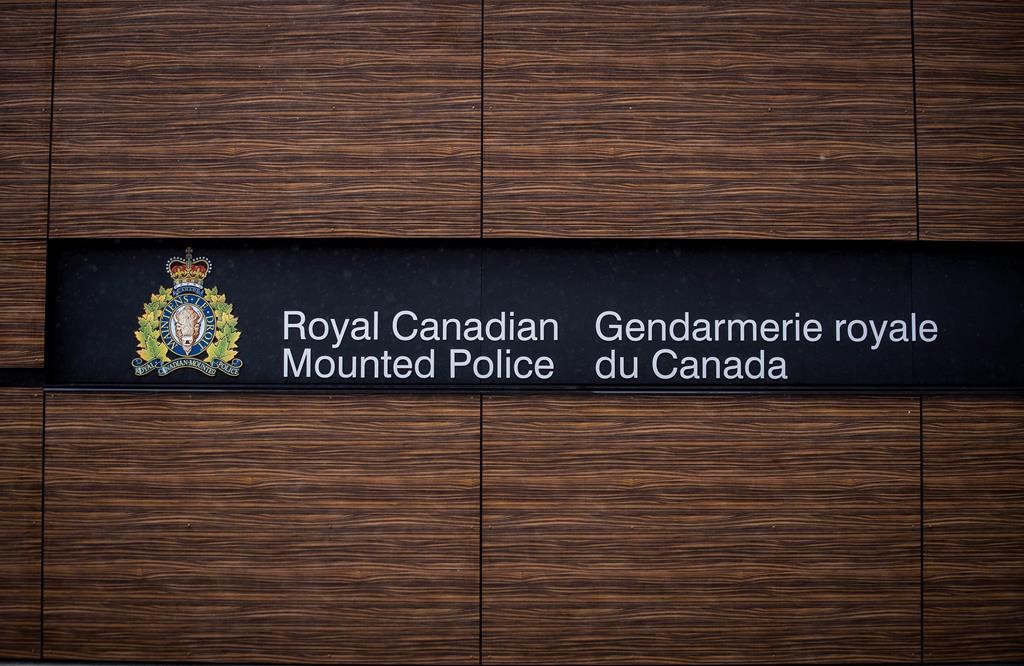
(480, 561)
(481, 126)
(913, 93)
(42, 523)
(920, 467)
(42, 452)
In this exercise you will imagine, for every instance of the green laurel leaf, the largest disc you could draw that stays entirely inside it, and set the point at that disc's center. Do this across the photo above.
(151, 347)
(225, 340)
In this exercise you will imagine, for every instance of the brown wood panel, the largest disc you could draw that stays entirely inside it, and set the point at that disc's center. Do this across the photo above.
(236, 118)
(21, 435)
(26, 66)
(974, 529)
(970, 105)
(256, 528)
(662, 118)
(22, 300)
(701, 530)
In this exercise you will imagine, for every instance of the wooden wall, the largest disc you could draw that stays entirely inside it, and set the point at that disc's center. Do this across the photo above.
(701, 529)
(259, 528)
(21, 439)
(505, 529)
(974, 529)
(26, 60)
(293, 118)
(693, 119)
(970, 114)
(22, 292)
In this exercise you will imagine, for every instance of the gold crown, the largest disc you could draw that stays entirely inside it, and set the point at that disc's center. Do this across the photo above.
(189, 270)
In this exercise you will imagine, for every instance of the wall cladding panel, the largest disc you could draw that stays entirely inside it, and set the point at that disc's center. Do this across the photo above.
(256, 528)
(974, 529)
(26, 65)
(22, 300)
(701, 530)
(21, 438)
(970, 104)
(695, 119)
(298, 118)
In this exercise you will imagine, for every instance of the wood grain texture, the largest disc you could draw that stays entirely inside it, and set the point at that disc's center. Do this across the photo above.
(22, 301)
(730, 119)
(701, 530)
(21, 461)
(262, 528)
(295, 118)
(970, 105)
(974, 529)
(26, 66)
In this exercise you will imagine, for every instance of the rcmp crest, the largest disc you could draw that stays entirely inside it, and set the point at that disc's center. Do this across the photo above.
(187, 325)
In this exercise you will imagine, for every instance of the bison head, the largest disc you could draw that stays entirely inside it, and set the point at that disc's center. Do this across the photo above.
(187, 321)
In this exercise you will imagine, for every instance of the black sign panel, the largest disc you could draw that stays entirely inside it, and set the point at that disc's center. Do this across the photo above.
(599, 315)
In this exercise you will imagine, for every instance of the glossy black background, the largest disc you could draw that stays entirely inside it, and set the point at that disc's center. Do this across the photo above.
(96, 290)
